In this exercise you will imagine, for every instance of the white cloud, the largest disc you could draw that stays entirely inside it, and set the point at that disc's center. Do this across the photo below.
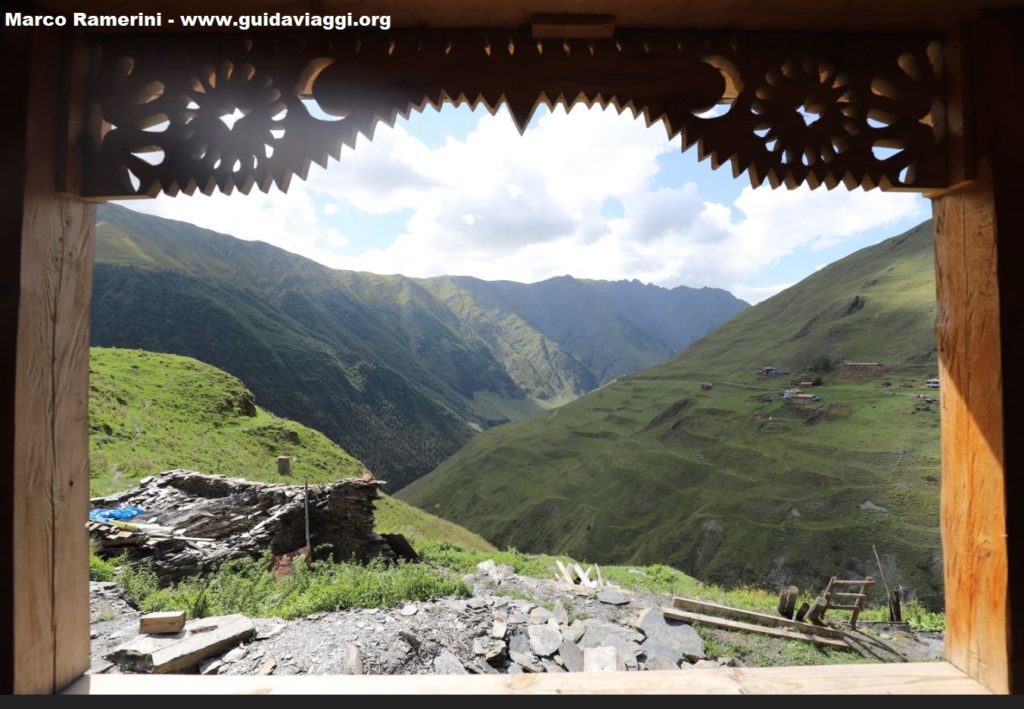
(498, 205)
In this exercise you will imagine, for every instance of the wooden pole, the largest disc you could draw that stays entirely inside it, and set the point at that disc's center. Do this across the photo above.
(305, 502)
(888, 593)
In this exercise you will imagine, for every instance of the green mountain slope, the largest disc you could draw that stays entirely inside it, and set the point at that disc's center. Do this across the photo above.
(736, 484)
(401, 372)
(151, 412)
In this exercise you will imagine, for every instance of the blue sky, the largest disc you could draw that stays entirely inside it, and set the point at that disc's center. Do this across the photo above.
(590, 193)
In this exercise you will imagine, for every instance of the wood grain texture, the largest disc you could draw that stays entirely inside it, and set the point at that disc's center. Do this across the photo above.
(973, 500)
(51, 477)
(906, 678)
(13, 120)
(1004, 69)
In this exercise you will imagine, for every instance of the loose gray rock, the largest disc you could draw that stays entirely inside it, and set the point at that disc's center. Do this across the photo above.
(597, 630)
(672, 634)
(526, 661)
(235, 655)
(448, 663)
(544, 640)
(612, 597)
(705, 665)
(514, 669)
(539, 615)
(498, 629)
(561, 614)
(575, 631)
(551, 665)
(352, 661)
(269, 632)
(409, 609)
(572, 656)
(503, 572)
(211, 666)
(519, 642)
(627, 649)
(603, 659)
(476, 602)
(660, 657)
(485, 667)
(488, 647)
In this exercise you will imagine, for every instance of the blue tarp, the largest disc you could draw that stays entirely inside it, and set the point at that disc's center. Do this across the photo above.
(102, 514)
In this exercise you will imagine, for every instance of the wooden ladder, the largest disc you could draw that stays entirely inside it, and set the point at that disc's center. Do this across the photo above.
(833, 599)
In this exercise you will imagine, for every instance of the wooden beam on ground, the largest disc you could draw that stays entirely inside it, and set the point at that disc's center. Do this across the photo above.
(708, 608)
(896, 678)
(166, 622)
(726, 624)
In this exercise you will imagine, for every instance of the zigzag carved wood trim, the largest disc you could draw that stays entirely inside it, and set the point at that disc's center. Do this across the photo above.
(226, 112)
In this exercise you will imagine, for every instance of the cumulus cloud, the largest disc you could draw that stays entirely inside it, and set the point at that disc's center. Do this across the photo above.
(498, 205)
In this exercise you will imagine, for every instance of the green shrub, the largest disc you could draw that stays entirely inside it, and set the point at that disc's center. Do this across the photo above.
(247, 586)
(101, 569)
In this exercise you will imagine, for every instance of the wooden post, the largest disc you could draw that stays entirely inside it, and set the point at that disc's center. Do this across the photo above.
(980, 326)
(888, 593)
(284, 465)
(816, 613)
(895, 598)
(45, 286)
(787, 601)
(305, 504)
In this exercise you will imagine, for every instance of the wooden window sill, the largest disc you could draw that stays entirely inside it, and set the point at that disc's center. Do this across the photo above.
(908, 678)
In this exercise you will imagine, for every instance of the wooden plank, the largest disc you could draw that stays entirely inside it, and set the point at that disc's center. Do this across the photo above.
(896, 678)
(973, 500)
(564, 571)
(201, 639)
(1004, 66)
(166, 622)
(50, 471)
(707, 607)
(788, 633)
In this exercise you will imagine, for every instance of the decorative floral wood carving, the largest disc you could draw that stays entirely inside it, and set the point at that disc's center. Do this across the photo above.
(226, 112)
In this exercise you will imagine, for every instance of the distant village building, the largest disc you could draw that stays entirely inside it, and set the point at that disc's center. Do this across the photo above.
(705, 386)
(932, 383)
(799, 396)
(772, 372)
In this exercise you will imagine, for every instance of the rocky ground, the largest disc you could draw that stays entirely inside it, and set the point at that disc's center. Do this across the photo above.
(511, 624)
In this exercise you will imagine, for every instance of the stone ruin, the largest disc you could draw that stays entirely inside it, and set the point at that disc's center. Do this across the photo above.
(194, 521)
